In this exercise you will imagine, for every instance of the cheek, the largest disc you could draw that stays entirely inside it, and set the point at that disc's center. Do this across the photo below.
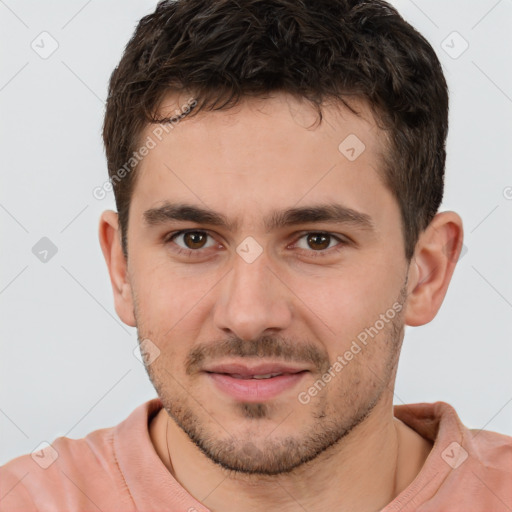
(171, 309)
(346, 302)
(166, 294)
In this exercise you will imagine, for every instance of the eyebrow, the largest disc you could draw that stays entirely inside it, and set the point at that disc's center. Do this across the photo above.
(331, 212)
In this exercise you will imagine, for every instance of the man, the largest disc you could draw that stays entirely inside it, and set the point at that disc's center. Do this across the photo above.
(278, 168)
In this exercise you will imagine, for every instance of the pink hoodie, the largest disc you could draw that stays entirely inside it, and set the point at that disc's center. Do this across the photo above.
(118, 469)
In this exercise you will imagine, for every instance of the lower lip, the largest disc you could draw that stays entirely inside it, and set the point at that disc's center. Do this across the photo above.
(255, 390)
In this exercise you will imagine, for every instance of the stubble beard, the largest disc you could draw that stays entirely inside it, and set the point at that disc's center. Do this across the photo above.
(333, 416)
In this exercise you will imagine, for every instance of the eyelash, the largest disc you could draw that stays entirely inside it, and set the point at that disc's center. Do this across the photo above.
(315, 254)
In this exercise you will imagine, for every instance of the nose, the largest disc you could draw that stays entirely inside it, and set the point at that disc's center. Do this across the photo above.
(252, 300)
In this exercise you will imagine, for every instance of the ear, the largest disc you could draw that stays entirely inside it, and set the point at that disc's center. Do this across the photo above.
(110, 241)
(436, 254)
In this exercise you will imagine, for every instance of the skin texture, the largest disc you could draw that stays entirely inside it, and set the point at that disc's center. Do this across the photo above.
(302, 301)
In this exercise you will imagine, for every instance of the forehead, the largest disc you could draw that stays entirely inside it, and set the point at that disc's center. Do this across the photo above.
(261, 154)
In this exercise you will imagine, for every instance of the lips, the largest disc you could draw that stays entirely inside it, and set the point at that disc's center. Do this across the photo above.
(255, 383)
(266, 376)
(245, 371)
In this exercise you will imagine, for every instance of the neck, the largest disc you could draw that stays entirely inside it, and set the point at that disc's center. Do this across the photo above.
(365, 471)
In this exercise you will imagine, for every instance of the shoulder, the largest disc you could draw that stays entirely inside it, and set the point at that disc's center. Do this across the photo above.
(14, 496)
(61, 471)
(81, 474)
(68, 474)
(492, 452)
(439, 422)
(467, 469)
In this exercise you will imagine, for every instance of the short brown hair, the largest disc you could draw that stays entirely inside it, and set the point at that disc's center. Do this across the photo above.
(225, 50)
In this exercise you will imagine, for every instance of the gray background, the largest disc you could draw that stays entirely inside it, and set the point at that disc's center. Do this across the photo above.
(67, 362)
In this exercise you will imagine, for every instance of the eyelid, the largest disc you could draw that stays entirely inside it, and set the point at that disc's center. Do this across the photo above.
(170, 237)
(342, 242)
(341, 238)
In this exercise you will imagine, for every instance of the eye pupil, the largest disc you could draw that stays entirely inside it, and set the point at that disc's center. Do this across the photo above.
(318, 239)
(194, 239)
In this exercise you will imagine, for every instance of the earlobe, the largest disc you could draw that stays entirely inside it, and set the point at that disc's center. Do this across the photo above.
(110, 241)
(432, 266)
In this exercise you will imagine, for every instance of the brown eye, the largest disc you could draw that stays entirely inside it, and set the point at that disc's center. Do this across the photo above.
(194, 239)
(320, 244)
(318, 241)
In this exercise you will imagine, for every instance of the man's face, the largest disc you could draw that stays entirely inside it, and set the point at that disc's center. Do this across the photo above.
(251, 316)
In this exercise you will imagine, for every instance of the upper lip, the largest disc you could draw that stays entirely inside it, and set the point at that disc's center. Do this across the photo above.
(246, 370)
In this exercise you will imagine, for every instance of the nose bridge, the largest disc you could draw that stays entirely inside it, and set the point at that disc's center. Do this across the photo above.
(252, 299)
